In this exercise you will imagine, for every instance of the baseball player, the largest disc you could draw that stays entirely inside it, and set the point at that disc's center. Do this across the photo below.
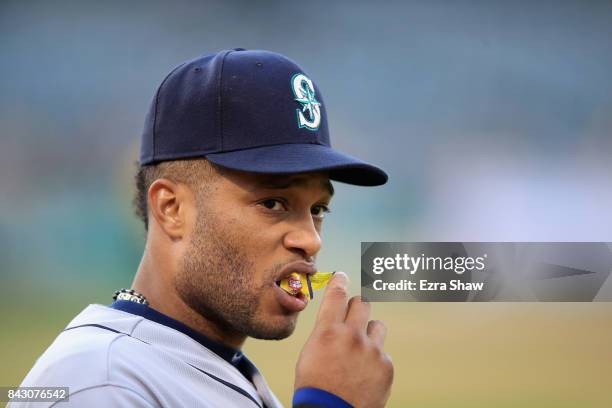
(233, 185)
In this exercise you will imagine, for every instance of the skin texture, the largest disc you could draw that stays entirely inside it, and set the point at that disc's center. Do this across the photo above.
(214, 252)
(356, 368)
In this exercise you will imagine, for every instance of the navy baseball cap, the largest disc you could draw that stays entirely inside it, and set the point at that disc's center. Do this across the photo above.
(249, 110)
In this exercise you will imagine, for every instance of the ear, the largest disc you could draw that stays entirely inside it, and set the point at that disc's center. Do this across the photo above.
(168, 204)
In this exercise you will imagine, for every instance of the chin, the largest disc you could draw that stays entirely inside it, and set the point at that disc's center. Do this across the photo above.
(274, 330)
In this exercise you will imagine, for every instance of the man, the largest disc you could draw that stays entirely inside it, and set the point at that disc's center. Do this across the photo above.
(233, 186)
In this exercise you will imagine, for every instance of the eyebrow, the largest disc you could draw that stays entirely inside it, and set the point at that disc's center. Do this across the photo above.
(283, 183)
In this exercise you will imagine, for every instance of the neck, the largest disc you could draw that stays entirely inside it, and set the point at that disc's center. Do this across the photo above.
(162, 296)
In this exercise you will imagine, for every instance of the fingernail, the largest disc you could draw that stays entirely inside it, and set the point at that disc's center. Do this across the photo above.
(340, 278)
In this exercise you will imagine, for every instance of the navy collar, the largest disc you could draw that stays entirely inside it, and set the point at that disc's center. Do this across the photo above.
(229, 354)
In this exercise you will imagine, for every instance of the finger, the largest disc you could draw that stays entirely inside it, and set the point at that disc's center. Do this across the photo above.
(334, 302)
(358, 313)
(377, 332)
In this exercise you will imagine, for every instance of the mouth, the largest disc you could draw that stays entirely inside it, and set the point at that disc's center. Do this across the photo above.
(292, 303)
(295, 301)
(298, 267)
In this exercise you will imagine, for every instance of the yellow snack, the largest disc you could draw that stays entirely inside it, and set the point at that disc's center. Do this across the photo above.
(294, 283)
(320, 279)
(307, 284)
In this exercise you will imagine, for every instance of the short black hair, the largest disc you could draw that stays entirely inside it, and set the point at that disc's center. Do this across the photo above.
(143, 174)
(193, 172)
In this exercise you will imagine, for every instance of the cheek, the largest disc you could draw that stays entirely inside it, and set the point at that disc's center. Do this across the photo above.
(265, 267)
(262, 242)
(260, 239)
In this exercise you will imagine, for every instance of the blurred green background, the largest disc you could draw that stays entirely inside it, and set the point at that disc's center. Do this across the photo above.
(493, 119)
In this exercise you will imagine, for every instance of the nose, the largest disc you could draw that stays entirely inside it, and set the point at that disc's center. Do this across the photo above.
(303, 238)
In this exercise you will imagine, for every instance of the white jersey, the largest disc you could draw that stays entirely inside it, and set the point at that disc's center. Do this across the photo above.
(129, 355)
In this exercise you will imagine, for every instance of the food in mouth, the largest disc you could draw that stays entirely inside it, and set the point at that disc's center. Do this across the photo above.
(297, 283)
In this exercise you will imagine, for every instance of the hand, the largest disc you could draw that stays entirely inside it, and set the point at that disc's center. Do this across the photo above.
(343, 354)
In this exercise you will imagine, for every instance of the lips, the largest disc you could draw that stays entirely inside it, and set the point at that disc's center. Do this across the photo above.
(291, 303)
(296, 266)
(299, 301)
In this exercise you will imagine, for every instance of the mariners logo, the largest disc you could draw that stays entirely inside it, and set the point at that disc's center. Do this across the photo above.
(309, 116)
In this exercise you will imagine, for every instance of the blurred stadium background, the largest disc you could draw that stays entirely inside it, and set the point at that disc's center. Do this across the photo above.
(493, 118)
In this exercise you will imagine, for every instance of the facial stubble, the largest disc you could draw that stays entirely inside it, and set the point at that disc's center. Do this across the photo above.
(217, 281)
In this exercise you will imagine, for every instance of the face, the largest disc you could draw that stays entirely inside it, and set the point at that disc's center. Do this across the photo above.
(250, 229)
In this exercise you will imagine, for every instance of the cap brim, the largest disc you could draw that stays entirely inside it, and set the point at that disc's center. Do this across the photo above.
(301, 158)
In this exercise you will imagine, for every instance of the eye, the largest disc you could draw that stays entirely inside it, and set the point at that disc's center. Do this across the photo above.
(273, 204)
(319, 211)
